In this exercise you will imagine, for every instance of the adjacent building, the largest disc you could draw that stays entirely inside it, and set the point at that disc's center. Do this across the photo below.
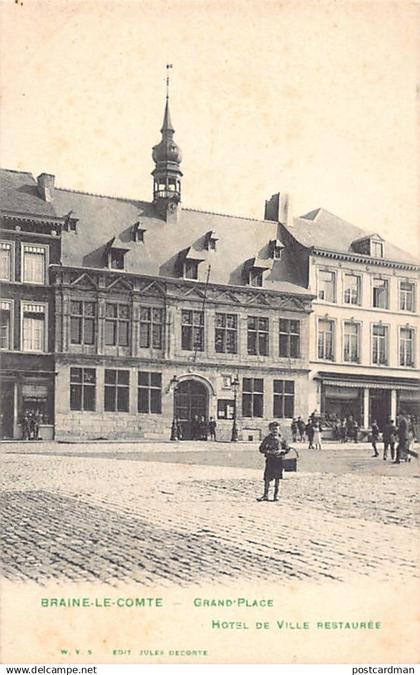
(364, 346)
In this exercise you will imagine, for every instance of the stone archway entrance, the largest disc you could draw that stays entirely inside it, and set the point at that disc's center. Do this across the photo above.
(191, 402)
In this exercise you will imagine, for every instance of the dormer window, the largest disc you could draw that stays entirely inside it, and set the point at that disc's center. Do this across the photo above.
(256, 277)
(114, 255)
(377, 249)
(211, 241)
(372, 245)
(191, 269)
(70, 222)
(116, 260)
(276, 248)
(138, 232)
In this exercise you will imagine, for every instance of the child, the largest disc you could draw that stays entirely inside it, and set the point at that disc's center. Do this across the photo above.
(317, 437)
(274, 449)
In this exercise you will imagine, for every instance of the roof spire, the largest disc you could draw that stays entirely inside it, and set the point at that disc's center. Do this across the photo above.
(167, 122)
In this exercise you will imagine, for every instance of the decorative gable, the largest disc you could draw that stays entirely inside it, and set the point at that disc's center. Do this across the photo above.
(83, 282)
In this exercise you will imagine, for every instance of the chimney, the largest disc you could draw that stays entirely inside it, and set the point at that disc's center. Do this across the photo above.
(46, 186)
(279, 209)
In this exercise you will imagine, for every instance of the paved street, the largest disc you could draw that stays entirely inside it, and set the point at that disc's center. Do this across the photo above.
(156, 513)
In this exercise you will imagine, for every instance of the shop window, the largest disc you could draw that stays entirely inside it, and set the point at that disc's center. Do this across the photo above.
(351, 289)
(33, 328)
(5, 324)
(407, 347)
(252, 397)
(351, 342)
(407, 297)
(380, 293)
(116, 391)
(192, 330)
(82, 322)
(258, 335)
(149, 392)
(326, 285)
(6, 261)
(34, 264)
(379, 345)
(326, 339)
(289, 338)
(283, 398)
(225, 409)
(151, 327)
(226, 333)
(82, 389)
(117, 324)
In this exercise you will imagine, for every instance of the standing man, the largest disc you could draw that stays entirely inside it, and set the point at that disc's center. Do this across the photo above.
(375, 438)
(212, 429)
(403, 438)
(294, 428)
(301, 428)
(390, 435)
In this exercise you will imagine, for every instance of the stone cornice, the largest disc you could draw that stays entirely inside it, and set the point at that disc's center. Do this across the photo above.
(364, 259)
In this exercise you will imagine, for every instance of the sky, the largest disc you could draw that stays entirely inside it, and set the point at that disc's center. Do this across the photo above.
(317, 99)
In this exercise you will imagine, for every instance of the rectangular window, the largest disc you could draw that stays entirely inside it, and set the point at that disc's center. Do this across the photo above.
(151, 327)
(380, 293)
(5, 325)
(33, 328)
(34, 264)
(351, 342)
(191, 269)
(407, 296)
(116, 324)
(192, 330)
(149, 392)
(256, 278)
(252, 397)
(225, 409)
(351, 289)
(116, 390)
(326, 285)
(283, 398)
(407, 347)
(226, 333)
(376, 249)
(5, 261)
(82, 322)
(379, 345)
(258, 335)
(82, 388)
(326, 339)
(289, 338)
(116, 259)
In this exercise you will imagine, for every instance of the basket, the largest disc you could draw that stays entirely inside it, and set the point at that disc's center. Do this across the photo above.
(290, 463)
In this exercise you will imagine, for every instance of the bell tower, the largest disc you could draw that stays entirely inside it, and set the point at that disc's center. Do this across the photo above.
(167, 175)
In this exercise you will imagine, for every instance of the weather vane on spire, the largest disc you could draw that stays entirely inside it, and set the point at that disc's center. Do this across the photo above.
(168, 66)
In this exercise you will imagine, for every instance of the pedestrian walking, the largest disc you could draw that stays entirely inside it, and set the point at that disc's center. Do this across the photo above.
(317, 437)
(301, 429)
(310, 433)
(212, 429)
(375, 438)
(294, 428)
(390, 437)
(274, 448)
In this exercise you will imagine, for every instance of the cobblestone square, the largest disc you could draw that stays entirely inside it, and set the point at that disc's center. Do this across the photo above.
(156, 513)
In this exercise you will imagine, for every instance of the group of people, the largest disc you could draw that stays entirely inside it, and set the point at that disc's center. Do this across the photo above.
(30, 425)
(396, 437)
(347, 429)
(312, 429)
(201, 429)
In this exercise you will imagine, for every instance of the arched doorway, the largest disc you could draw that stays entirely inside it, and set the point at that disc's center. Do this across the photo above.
(191, 402)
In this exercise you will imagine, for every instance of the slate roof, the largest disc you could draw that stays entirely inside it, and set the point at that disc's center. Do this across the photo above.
(102, 218)
(18, 192)
(324, 230)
